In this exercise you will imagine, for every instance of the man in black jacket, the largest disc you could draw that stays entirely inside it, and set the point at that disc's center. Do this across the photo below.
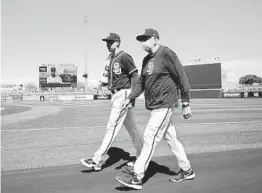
(162, 74)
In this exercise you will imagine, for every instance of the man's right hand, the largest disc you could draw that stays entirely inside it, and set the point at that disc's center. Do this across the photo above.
(101, 84)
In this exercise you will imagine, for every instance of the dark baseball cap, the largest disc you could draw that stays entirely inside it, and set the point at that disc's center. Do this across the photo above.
(112, 37)
(148, 33)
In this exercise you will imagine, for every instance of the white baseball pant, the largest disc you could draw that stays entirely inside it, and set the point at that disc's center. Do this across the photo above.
(159, 125)
(117, 118)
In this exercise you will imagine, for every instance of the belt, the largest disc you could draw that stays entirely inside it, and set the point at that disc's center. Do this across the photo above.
(116, 90)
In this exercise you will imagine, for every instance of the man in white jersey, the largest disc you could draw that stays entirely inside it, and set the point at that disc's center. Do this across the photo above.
(120, 76)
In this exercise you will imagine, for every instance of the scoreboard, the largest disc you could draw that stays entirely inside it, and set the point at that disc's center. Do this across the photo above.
(57, 75)
(204, 76)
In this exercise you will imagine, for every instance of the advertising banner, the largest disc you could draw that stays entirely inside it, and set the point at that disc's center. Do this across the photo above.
(102, 97)
(66, 98)
(232, 94)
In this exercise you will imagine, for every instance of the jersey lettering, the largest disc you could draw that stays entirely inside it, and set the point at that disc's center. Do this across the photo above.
(150, 68)
(117, 68)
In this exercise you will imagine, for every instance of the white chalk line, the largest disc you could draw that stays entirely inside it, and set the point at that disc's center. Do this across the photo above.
(103, 126)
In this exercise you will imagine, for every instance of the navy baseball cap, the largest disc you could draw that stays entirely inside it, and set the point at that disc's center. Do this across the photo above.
(148, 33)
(112, 37)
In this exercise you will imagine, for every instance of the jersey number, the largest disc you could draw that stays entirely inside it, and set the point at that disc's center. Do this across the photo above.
(117, 68)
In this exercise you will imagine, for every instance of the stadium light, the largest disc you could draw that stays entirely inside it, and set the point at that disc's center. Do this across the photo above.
(85, 27)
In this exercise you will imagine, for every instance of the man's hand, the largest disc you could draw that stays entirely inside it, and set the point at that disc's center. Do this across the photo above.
(186, 110)
(101, 84)
(126, 103)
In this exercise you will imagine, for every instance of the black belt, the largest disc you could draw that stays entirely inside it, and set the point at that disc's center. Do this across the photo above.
(117, 89)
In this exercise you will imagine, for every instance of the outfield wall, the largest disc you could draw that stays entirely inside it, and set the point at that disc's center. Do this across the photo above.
(58, 97)
(207, 93)
(89, 97)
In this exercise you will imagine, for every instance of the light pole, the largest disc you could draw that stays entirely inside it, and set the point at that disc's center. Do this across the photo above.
(85, 42)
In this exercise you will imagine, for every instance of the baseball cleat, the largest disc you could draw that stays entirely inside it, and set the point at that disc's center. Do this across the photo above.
(130, 181)
(183, 175)
(91, 164)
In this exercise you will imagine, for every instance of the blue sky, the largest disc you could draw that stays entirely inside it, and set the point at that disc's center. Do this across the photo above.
(52, 31)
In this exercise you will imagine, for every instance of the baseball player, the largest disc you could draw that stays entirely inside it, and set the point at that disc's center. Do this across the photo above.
(161, 75)
(54, 78)
(120, 75)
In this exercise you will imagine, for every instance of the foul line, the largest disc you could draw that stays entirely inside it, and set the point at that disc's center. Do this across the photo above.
(103, 126)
